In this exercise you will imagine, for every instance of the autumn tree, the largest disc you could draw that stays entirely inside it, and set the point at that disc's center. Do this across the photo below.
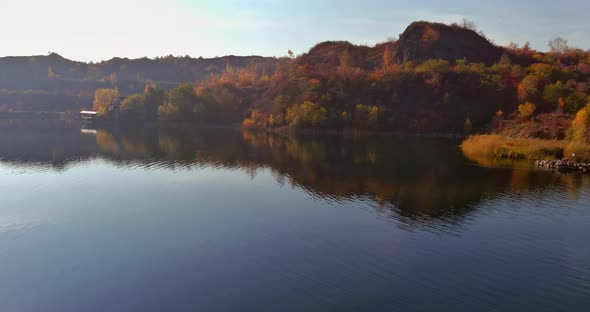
(308, 114)
(388, 58)
(529, 88)
(103, 98)
(346, 59)
(578, 132)
(368, 116)
(497, 120)
(51, 73)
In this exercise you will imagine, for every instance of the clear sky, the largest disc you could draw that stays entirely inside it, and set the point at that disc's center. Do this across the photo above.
(100, 29)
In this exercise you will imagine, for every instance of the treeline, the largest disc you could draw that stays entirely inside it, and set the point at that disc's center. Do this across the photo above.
(434, 95)
(53, 83)
(185, 103)
(340, 85)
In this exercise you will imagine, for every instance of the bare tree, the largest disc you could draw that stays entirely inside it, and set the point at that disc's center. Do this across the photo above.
(558, 46)
(468, 24)
(513, 46)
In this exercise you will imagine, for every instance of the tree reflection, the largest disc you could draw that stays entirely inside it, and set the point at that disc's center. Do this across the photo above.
(413, 178)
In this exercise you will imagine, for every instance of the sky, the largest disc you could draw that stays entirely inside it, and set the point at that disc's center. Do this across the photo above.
(97, 30)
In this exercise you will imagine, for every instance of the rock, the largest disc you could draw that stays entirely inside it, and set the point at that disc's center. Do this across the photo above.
(563, 165)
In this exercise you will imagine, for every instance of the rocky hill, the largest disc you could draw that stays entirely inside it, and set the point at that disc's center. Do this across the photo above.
(419, 42)
(422, 41)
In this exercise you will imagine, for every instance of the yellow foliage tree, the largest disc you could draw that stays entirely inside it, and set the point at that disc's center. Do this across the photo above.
(388, 58)
(103, 98)
(308, 114)
(526, 110)
(579, 129)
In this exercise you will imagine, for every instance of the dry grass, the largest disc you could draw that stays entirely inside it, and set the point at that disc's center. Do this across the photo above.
(581, 150)
(500, 147)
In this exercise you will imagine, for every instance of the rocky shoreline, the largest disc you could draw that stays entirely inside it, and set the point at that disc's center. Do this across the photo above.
(564, 165)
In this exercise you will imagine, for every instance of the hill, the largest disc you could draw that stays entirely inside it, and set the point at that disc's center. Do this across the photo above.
(422, 41)
(435, 78)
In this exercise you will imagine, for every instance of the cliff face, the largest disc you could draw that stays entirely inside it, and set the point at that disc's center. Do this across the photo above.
(423, 40)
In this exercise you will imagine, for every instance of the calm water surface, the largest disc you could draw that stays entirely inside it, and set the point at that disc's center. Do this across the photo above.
(223, 220)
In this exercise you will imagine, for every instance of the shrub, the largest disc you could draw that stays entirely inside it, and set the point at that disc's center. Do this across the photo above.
(526, 110)
(467, 126)
(433, 66)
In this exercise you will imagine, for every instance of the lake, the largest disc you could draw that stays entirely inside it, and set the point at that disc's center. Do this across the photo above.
(224, 220)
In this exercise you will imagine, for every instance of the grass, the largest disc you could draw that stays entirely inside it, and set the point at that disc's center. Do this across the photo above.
(500, 147)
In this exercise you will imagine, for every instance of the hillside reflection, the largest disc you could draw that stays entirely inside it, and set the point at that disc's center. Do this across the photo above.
(412, 178)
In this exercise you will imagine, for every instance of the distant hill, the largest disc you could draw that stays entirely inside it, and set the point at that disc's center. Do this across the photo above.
(54, 83)
(166, 69)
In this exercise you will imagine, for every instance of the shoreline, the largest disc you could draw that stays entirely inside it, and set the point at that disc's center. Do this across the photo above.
(564, 165)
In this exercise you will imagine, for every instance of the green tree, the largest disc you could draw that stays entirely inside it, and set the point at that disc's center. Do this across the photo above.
(434, 66)
(133, 107)
(181, 103)
(554, 92)
(575, 101)
(154, 97)
(308, 114)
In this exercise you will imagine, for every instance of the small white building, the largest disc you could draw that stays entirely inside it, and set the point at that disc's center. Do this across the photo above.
(88, 115)
(112, 111)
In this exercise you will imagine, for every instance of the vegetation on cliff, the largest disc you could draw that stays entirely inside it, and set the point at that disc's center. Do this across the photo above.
(416, 84)
(435, 78)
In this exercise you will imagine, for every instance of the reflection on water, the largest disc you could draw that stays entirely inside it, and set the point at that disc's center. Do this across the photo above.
(225, 220)
(395, 173)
